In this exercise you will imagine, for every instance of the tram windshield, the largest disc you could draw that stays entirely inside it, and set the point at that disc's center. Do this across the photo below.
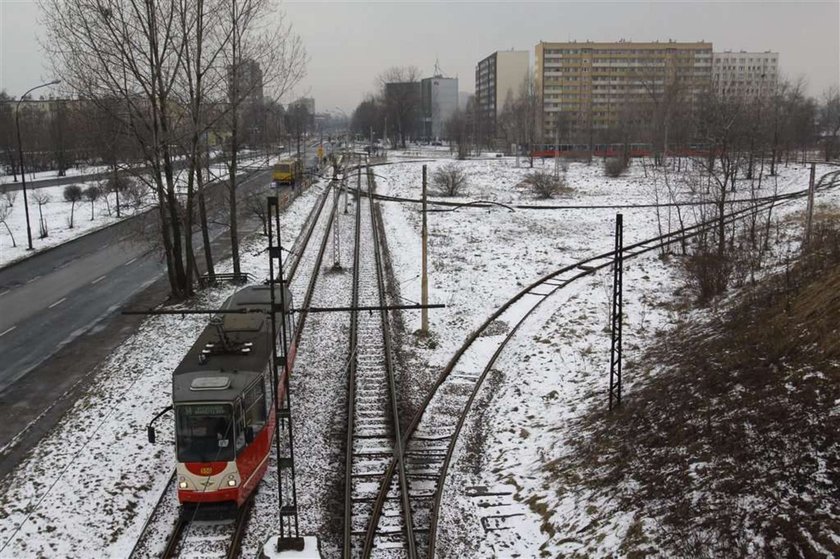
(205, 432)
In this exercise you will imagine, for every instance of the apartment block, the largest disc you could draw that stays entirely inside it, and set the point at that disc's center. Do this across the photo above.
(499, 77)
(588, 87)
(745, 74)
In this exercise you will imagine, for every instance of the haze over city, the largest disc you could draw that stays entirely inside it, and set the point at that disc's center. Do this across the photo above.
(419, 280)
(350, 43)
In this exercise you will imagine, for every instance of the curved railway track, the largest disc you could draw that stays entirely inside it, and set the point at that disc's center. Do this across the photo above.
(431, 436)
(207, 538)
(373, 427)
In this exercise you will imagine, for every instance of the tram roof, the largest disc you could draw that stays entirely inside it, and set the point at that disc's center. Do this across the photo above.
(240, 366)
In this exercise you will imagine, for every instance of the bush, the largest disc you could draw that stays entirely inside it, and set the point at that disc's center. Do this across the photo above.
(449, 180)
(615, 166)
(72, 193)
(134, 195)
(92, 195)
(120, 184)
(708, 273)
(545, 185)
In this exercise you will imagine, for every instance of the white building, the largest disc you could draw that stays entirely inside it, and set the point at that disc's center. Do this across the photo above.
(745, 73)
(439, 98)
(498, 77)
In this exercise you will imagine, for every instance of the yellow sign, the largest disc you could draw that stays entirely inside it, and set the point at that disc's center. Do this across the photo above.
(320, 152)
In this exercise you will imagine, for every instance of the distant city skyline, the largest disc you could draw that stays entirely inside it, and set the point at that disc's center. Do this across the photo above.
(350, 43)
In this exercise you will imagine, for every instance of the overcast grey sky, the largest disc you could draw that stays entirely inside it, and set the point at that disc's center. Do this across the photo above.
(350, 43)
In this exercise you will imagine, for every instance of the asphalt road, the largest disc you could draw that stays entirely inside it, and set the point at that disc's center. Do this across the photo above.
(60, 181)
(51, 298)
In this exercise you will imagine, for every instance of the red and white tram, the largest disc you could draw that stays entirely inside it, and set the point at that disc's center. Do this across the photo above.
(223, 402)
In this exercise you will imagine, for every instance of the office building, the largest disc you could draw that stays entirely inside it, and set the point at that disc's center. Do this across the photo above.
(439, 101)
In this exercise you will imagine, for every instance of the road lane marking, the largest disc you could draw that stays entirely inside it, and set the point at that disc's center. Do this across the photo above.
(57, 303)
(33, 279)
(97, 280)
(130, 261)
(3, 293)
(7, 331)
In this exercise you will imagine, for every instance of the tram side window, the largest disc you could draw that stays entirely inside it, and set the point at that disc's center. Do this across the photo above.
(254, 407)
(290, 328)
(267, 391)
(240, 427)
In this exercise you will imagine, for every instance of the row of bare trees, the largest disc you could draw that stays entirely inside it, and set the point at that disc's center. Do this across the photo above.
(168, 73)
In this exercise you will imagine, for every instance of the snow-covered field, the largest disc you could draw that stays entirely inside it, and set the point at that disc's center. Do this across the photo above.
(88, 487)
(498, 500)
(56, 212)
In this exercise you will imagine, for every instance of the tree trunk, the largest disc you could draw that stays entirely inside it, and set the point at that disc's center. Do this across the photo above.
(234, 234)
(116, 185)
(205, 231)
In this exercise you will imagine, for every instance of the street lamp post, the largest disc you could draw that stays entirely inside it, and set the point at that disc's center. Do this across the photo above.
(20, 157)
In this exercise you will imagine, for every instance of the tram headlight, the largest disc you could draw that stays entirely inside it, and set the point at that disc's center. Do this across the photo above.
(232, 481)
(182, 483)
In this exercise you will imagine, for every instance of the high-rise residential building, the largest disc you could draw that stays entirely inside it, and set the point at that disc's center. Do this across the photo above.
(307, 103)
(439, 101)
(586, 87)
(249, 81)
(498, 77)
(745, 74)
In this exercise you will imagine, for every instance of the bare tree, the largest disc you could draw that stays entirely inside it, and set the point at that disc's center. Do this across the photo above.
(526, 112)
(41, 198)
(279, 55)
(256, 206)
(130, 51)
(400, 86)
(830, 122)
(449, 180)
(92, 195)
(5, 213)
(9, 197)
(458, 131)
(723, 124)
(8, 145)
(369, 116)
(72, 194)
(151, 65)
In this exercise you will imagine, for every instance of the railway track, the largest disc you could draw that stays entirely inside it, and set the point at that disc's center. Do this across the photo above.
(208, 538)
(373, 427)
(431, 436)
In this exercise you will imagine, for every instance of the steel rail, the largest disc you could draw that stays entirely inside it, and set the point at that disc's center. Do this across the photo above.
(398, 440)
(303, 242)
(351, 393)
(146, 525)
(174, 538)
(310, 289)
(311, 219)
(631, 251)
(659, 241)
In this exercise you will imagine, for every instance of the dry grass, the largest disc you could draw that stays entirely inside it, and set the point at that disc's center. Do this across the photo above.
(735, 446)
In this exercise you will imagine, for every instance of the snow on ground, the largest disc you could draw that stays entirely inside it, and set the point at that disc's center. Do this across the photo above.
(81, 170)
(88, 487)
(56, 213)
(555, 367)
